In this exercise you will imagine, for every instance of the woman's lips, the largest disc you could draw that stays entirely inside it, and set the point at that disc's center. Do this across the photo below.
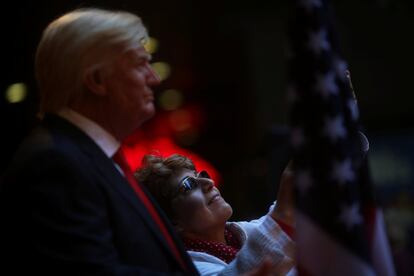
(214, 198)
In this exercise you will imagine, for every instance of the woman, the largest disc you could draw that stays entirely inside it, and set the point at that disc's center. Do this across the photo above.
(200, 215)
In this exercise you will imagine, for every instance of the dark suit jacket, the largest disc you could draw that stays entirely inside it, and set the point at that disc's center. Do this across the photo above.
(66, 210)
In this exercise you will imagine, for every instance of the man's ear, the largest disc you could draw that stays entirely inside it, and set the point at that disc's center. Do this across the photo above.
(94, 80)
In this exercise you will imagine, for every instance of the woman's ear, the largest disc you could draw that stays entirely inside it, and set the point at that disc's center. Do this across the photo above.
(94, 80)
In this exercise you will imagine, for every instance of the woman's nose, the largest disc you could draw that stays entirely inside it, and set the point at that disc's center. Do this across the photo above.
(206, 184)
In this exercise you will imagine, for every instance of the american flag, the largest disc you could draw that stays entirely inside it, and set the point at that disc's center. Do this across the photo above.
(340, 230)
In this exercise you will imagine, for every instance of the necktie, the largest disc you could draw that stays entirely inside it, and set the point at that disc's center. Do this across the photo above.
(119, 158)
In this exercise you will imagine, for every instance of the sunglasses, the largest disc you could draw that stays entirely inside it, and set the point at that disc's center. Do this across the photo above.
(189, 183)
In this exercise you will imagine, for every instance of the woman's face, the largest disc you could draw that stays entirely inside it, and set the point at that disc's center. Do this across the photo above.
(198, 207)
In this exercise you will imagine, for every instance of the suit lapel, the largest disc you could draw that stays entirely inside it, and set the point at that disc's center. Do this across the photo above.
(107, 169)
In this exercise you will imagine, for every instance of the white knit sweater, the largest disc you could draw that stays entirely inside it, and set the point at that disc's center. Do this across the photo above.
(262, 239)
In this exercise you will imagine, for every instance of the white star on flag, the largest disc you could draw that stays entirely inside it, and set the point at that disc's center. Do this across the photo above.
(303, 181)
(353, 108)
(340, 69)
(318, 41)
(334, 128)
(297, 137)
(350, 216)
(343, 172)
(325, 84)
(308, 5)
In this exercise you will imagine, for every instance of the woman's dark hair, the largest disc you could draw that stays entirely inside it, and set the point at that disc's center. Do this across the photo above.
(155, 174)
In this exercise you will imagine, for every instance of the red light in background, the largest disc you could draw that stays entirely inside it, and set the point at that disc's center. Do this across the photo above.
(159, 135)
(165, 147)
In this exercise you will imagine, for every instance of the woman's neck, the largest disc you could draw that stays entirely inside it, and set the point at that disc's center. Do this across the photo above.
(216, 235)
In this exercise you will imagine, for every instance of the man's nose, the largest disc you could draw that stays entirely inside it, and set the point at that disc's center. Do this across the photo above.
(153, 78)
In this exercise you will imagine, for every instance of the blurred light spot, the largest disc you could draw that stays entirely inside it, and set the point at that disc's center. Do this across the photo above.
(151, 45)
(16, 92)
(180, 120)
(171, 99)
(163, 69)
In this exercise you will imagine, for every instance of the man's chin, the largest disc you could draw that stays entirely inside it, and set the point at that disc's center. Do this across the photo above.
(148, 113)
(151, 111)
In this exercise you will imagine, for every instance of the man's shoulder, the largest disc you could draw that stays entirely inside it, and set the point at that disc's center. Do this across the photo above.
(53, 144)
(44, 140)
(49, 152)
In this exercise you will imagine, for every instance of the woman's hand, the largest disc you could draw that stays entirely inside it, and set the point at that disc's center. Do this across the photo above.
(285, 209)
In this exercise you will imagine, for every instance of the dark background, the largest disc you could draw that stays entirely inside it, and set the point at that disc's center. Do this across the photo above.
(228, 57)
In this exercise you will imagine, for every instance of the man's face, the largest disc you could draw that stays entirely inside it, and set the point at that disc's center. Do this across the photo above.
(201, 210)
(130, 97)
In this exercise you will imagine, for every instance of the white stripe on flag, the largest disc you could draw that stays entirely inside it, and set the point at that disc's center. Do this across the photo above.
(319, 254)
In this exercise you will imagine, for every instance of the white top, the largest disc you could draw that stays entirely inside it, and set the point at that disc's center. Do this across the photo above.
(262, 239)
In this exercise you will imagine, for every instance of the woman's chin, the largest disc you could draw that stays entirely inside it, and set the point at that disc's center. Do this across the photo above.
(227, 211)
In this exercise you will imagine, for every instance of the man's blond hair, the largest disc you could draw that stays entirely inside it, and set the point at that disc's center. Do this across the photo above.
(78, 41)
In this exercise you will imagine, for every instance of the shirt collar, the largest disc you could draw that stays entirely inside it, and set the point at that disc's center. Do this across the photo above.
(106, 141)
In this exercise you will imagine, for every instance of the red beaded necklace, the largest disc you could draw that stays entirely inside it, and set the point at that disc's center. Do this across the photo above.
(226, 252)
